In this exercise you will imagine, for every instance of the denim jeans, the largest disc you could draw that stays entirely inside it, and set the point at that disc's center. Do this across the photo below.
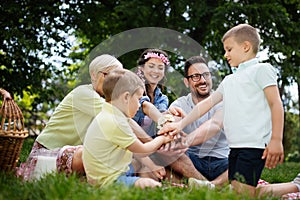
(128, 178)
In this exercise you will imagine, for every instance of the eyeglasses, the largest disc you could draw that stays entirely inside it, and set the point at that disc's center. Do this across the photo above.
(197, 77)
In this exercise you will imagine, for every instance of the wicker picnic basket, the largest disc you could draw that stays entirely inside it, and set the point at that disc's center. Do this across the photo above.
(12, 135)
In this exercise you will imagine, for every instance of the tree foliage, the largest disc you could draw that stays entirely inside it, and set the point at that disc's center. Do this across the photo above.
(32, 32)
(35, 31)
(206, 22)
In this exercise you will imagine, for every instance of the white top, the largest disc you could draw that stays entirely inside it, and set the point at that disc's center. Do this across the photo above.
(247, 115)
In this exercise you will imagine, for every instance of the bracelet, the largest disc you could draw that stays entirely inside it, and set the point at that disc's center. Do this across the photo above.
(164, 119)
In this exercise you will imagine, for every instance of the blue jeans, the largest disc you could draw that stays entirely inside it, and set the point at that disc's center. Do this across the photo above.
(210, 167)
(128, 178)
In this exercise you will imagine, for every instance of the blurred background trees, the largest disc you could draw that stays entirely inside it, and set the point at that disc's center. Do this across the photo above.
(43, 44)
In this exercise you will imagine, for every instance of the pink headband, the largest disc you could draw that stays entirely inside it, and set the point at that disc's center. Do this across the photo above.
(161, 56)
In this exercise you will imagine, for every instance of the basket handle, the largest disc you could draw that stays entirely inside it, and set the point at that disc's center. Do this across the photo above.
(11, 113)
(6, 95)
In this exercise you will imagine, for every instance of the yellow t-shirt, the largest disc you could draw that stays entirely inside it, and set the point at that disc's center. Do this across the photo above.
(70, 120)
(105, 155)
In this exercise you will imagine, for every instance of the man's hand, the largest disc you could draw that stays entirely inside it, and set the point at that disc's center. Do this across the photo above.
(167, 150)
(176, 147)
(273, 154)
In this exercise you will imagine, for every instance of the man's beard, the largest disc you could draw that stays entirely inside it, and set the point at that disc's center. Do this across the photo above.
(201, 96)
(198, 95)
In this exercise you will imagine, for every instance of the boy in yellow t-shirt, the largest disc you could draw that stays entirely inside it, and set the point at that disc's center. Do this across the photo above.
(110, 141)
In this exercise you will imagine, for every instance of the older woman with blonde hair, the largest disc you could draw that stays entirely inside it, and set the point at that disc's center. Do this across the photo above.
(64, 134)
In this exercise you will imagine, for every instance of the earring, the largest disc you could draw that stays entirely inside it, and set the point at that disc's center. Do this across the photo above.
(140, 74)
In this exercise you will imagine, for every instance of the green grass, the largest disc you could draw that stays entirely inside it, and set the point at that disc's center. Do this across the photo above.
(57, 186)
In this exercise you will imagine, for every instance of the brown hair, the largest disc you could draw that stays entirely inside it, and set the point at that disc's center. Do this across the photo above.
(192, 60)
(242, 33)
(141, 61)
(119, 81)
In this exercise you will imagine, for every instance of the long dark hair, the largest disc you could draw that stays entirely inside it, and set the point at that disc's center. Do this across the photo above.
(142, 60)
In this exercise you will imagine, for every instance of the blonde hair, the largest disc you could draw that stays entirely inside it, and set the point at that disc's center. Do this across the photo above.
(119, 81)
(242, 33)
(104, 62)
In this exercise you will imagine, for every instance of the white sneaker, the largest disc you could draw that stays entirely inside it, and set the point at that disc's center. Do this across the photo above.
(192, 182)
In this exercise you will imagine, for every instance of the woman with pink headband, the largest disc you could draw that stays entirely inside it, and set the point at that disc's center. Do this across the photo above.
(152, 65)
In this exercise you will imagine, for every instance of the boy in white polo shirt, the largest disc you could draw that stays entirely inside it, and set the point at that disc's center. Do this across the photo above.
(253, 112)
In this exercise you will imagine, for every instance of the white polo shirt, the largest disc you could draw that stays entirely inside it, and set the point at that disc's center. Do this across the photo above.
(247, 115)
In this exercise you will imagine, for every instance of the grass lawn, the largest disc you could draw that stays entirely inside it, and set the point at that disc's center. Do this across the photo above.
(57, 186)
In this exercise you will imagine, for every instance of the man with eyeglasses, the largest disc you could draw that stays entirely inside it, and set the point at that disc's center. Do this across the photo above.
(209, 154)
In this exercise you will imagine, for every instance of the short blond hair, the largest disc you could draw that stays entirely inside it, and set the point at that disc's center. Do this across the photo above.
(118, 81)
(242, 33)
(104, 63)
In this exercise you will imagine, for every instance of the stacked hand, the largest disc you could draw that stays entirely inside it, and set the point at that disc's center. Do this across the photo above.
(170, 129)
(167, 124)
(176, 147)
(179, 144)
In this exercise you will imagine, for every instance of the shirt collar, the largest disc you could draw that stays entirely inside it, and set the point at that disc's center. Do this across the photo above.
(157, 92)
(247, 63)
(113, 109)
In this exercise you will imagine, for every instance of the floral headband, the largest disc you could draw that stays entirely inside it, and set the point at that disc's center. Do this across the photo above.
(161, 56)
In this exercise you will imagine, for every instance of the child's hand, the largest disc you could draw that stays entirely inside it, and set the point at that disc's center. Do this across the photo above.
(170, 129)
(168, 138)
(147, 182)
(273, 154)
(159, 171)
(176, 111)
